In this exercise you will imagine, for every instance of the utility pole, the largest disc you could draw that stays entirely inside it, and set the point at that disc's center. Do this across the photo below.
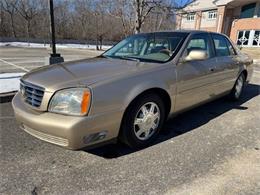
(54, 57)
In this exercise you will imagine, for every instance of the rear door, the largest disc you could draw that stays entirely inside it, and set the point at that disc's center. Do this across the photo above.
(195, 78)
(226, 64)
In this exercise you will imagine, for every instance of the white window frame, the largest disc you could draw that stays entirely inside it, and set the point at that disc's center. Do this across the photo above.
(212, 15)
(255, 38)
(191, 17)
(250, 39)
(243, 38)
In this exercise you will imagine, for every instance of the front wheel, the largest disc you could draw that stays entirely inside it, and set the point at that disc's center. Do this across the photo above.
(142, 121)
(238, 88)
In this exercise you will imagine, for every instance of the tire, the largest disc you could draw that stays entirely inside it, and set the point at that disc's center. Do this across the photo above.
(138, 130)
(238, 88)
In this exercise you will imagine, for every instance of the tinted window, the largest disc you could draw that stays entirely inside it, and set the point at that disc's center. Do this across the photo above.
(200, 42)
(247, 11)
(230, 47)
(220, 45)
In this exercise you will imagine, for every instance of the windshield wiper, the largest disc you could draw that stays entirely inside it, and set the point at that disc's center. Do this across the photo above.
(121, 57)
(129, 58)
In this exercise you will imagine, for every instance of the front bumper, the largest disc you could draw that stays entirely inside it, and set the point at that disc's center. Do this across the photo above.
(71, 132)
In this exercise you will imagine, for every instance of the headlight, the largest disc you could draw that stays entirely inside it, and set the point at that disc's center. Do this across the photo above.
(72, 101)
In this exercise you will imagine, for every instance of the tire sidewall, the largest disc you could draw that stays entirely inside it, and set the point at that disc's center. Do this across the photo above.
(233, 93)
(129, 136)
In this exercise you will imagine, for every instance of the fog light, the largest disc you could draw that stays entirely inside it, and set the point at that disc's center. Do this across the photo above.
(94, 137)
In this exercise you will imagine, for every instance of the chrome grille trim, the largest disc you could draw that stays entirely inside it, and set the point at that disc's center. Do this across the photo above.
(31, 93)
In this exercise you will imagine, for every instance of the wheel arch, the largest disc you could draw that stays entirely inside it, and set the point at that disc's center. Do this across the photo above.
(162, 93)
(245, 73)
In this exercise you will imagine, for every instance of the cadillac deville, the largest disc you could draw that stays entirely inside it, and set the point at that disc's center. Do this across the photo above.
(128, 92)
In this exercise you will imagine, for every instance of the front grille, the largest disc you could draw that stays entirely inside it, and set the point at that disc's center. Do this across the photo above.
(32, 94)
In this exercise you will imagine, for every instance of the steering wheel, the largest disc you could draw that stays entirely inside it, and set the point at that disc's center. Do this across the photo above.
(165, 51)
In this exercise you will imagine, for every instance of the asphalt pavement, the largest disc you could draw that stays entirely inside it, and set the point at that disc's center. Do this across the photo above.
(213, 149)
(16, 59)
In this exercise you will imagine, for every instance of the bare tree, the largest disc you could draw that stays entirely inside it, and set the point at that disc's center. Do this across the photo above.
(63, 19)
(10, 7)
(100, 27)
(83, 18)
(28, 9)
(122, 10)
(143, 8)
(89, 20)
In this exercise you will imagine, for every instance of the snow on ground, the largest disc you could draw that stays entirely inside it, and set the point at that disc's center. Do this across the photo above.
(41, 45)
(10, 82)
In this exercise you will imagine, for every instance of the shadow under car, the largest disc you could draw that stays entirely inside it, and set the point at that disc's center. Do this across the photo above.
(184, 122)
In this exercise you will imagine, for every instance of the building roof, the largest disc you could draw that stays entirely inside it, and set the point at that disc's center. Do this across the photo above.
(200, 5)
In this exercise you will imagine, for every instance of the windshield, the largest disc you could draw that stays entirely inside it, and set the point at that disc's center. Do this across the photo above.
(157, 47)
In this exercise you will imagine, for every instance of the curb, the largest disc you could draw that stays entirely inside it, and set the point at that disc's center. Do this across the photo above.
(7, 97)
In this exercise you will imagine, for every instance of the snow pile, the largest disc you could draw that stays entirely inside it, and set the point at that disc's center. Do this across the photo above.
(10, 82)
(41, 45)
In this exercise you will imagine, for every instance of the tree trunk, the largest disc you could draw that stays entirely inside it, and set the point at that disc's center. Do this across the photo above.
(28, 31)
(13, 28)
(97, 47)
(97, 31)
(138, 22)
(100, 41)
(161, 21)
(102, 32)
(137, 29)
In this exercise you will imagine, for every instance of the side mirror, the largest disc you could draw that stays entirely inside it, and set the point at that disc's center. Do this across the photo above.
(196, 55)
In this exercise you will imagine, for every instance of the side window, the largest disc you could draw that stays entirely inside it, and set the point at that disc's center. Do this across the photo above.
(230, 47)
(220, 45)
(200, 42)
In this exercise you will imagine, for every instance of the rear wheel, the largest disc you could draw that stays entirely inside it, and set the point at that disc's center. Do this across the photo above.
(142, 121)
(238, 88)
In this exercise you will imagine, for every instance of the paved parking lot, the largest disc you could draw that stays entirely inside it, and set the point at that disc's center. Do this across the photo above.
(213, 149)
(13, 59)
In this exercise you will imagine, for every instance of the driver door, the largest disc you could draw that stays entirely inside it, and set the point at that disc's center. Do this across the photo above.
(195, 78)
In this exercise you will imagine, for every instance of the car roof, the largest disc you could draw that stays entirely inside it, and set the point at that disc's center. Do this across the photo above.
(181, 31)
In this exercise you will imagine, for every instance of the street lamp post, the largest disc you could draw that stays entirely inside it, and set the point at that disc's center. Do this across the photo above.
(54, 57)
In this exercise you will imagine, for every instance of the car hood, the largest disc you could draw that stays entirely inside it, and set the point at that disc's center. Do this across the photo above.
(78, 73)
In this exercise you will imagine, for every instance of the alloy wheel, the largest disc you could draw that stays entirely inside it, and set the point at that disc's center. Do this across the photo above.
(147, 121)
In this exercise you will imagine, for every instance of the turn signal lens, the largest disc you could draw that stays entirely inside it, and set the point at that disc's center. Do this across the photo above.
(85, 103)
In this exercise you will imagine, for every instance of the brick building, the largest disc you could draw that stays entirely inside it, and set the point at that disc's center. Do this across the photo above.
(239, 19)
